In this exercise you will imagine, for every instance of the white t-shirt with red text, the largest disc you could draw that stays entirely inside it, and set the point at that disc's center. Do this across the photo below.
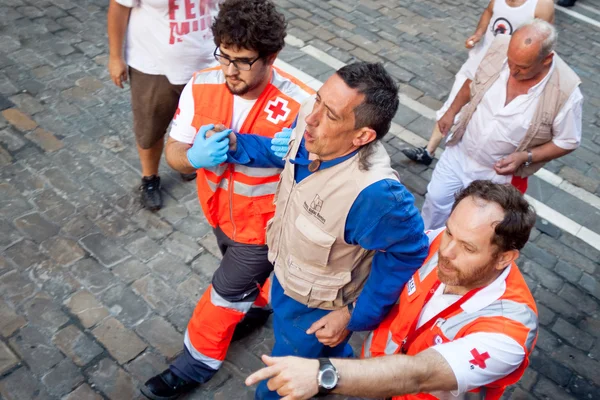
(170, 37)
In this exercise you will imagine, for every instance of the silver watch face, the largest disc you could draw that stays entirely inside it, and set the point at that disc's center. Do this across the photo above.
(328, 378)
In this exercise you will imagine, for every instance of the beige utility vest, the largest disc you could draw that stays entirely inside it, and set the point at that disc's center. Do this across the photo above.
(313, 263)
(559, 87)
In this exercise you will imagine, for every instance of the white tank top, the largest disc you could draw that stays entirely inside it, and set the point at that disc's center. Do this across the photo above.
(505, 20)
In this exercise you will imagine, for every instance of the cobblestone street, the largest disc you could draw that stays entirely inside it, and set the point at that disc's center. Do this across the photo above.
(95, 293)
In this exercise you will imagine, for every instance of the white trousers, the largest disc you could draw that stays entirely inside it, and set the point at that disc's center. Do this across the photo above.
(454, 171)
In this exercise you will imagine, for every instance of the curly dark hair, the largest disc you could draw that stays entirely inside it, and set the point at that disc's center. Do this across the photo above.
(250, 24)
(519, 217)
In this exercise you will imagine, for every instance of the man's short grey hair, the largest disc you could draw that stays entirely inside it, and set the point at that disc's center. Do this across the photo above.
(544, 31)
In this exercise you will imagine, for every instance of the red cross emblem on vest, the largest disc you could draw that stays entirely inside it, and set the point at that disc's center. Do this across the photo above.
(277, 110)
(479, 359)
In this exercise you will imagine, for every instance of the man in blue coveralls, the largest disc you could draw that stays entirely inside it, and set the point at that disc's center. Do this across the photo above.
(346, 235)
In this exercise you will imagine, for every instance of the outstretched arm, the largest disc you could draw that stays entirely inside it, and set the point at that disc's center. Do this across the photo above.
(484, 21)
(389, 376)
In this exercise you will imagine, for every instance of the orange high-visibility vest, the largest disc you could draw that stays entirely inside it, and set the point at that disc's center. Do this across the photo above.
(236, 198)
(514, 314)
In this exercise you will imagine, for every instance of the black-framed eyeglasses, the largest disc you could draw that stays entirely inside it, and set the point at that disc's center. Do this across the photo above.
(241, 65)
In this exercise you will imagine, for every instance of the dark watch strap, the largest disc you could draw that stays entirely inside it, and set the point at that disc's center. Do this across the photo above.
(324, 362)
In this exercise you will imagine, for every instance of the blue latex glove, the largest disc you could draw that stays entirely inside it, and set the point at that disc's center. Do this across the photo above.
(209, 152)
(280, 143)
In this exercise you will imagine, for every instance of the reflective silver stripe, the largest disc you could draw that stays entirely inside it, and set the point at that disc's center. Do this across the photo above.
(391, 347)
(428, 267)
(255, 190)
(367, 345)
(208, 361)
(223, 184)
(210, 77)
(500, 308)
(217, 300)
(257, 172)
(289, 88)
(218, 170)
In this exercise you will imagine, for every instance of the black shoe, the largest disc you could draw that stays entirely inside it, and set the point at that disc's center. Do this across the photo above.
(151, 198)
(566, 3)
(254, 319)
(188, 177)
(419, 154)
(166, 386)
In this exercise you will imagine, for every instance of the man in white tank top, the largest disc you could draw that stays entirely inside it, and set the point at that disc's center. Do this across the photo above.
(500, 16)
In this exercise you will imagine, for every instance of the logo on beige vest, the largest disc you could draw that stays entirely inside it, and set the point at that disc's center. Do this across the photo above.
(315, 207)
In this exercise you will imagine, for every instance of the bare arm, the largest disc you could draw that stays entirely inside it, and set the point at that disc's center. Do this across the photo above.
(118, 19)
(379, 377)
(176, 155)
(462, 97)
(545, 10)
(484, 21)
(395, 375)
(543, 153)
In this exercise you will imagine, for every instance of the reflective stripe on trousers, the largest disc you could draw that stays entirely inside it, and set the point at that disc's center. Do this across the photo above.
(244, 189)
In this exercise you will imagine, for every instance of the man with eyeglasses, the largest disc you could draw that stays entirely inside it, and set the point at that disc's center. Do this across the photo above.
(248, 95)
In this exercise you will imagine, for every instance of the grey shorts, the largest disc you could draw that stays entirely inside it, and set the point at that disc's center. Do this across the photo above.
(154, 101)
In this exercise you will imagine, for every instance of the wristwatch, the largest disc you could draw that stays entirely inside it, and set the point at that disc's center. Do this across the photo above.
(328, 377)
(529, 158)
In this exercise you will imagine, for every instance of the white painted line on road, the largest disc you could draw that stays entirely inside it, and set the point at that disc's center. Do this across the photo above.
(565, 223)
(545, 212)
(588, 8)
(578, 16)
(323, 57)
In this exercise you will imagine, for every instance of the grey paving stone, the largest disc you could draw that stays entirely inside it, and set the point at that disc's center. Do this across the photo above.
(35, 349)
(62, 250)
(130, 270)
(193, 287)
(8, 359)
(542, 257)
(193, 226)
(162, 336)
(19, 385)
(36, 227)
(87, 308)
(147, 365)
(568, 271)
(143, 248)
(104, 249)
(182, 246)
(92, 275)
(154, 227)
(121, 343)
(546, 277)
(10, 322)
(546, 389)
(179, 316)
(112, 380)
(42, 312)
(83, 392)
(583, 389)
(128, 307)
(578, 298)
(549, 368)
(573, 335)
(76, 345)
(62, 378)
(169, 268)
(157, 294)
(591, 285)
(115, 225)
(578, 361)
(15, 288)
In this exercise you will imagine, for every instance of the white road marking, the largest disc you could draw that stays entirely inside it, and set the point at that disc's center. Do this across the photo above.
(588, 8)
(545, 212)
(578, 16)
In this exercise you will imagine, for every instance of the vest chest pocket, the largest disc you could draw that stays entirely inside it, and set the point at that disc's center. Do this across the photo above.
(312, 244)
